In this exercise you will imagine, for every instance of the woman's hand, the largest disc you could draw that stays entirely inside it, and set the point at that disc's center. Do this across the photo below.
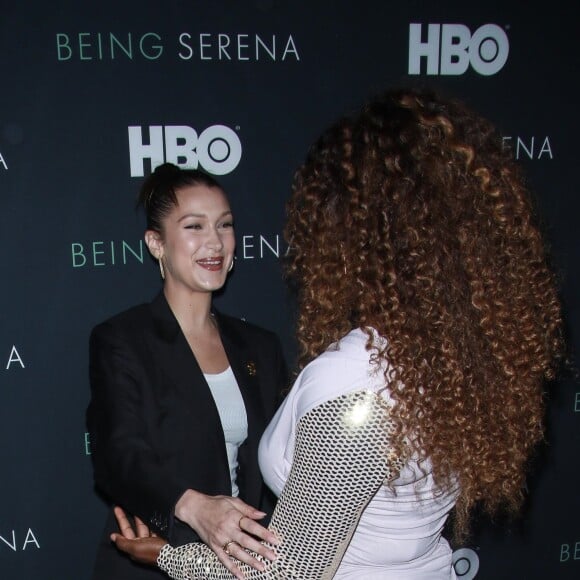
(227, 525)
(140, 544)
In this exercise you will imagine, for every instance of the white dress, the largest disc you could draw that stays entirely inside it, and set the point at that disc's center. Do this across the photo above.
(399, 533)
(325, 453)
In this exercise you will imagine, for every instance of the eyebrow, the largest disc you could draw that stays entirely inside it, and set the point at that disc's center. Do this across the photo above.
(202, 215)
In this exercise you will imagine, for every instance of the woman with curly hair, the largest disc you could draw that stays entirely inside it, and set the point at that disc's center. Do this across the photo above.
(428, 322)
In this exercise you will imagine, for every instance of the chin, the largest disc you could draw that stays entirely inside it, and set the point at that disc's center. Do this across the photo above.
(211, 286)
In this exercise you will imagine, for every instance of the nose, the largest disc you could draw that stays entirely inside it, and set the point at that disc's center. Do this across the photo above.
(214, 240)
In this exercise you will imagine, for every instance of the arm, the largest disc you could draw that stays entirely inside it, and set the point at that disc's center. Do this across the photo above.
(340, 461)
(127, 466)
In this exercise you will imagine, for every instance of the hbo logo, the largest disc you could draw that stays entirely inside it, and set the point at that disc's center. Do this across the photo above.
(465, 564)
(450, 48)
(217, 149)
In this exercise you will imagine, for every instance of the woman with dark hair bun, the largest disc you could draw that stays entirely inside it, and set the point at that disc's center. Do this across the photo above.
(428, 321)
(182, 393)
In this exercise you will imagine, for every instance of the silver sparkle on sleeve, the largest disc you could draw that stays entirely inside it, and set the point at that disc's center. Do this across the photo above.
(341, 458)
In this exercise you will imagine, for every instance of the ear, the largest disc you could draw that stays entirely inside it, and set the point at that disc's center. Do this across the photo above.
(154, 243)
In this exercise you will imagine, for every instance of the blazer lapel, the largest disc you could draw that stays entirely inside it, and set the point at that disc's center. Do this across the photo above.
(181, 367)
(243, 364)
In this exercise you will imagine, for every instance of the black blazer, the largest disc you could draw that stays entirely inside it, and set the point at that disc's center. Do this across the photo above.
(154, 427)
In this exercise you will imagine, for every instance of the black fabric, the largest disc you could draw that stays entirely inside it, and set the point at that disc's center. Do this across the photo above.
(155, 429)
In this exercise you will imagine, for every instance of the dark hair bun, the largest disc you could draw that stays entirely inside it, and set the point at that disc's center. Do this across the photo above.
(166, 170)
(158, 196)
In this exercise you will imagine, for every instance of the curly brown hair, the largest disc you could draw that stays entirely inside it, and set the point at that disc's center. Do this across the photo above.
(412, 218)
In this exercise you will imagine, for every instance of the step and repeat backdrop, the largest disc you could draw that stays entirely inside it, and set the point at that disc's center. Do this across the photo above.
(93, 95)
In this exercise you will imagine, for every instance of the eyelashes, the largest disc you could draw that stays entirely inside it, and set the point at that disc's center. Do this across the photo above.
(198, 227)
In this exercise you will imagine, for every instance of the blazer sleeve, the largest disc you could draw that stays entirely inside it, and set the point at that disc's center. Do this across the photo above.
(127, 467)
(281, 376)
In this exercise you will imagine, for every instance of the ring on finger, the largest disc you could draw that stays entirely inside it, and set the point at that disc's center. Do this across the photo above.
(226, 546)
(240, 523)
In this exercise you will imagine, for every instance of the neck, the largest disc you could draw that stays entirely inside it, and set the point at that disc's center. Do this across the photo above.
(192, 310)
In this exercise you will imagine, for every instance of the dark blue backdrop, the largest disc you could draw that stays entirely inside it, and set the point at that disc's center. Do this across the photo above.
(245, 87)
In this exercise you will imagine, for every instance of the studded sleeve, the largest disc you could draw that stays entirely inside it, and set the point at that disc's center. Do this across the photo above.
(340, 461)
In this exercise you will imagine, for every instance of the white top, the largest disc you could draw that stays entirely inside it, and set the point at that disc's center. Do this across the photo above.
(326, 455)
(398, 536)
(232, 412)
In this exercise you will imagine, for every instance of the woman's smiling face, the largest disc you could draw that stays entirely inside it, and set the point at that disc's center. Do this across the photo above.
(197, 241)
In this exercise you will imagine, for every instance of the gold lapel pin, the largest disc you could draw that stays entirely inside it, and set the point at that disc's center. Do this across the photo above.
(251, 368)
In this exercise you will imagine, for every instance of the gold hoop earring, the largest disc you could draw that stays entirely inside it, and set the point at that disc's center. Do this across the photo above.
(231, 266)
(161, 268)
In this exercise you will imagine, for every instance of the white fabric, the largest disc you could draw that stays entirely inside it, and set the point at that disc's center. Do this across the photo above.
(326, 452)
(232, 412)
(399, 533)
(341, 460)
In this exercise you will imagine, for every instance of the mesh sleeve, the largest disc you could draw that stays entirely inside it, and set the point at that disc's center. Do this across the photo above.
(340, 461)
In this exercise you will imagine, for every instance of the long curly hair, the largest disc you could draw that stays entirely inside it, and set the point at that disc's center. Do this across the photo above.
(410, 217)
